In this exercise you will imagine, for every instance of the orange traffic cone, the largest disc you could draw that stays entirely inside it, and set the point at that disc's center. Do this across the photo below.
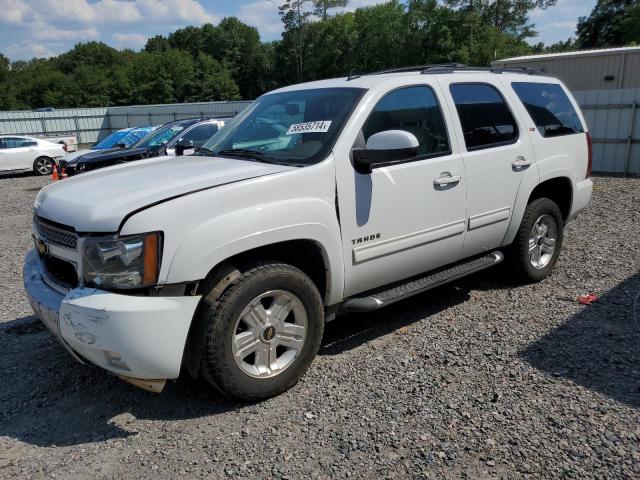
(54, 174)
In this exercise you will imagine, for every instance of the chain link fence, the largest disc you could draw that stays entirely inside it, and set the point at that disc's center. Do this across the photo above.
(93, 124)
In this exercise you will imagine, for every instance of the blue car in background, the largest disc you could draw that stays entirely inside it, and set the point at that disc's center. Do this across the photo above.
(122, 138)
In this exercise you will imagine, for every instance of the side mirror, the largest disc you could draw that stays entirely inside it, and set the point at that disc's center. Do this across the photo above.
(121, 145)
(183, 145)
(385, 148)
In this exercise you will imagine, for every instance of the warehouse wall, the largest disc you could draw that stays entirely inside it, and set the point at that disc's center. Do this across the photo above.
(613, 120)
(93, 124)
(587, 72)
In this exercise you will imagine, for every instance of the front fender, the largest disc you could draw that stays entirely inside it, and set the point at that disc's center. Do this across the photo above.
(204, 228)
(225, 236)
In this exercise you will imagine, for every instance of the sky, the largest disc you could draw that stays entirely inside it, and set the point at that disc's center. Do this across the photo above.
(43, 28)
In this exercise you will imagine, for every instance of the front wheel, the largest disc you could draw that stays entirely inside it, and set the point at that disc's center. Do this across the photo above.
(264, 331)
(43, 166)
(537, 245)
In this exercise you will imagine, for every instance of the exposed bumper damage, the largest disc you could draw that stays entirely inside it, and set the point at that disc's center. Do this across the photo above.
(141, 339)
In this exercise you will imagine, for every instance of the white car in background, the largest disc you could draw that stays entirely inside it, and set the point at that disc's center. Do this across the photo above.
(19, 153)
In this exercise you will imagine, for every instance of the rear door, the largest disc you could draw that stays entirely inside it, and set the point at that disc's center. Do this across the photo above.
(497, 154)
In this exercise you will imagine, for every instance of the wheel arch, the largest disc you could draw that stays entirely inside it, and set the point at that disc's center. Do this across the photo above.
(558, 188)
(305, 254)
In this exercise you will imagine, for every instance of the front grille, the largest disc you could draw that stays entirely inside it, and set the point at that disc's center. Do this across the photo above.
(61, 272)
(59, 236)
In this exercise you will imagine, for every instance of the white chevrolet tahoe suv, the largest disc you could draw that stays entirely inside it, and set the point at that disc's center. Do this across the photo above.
(341, 195)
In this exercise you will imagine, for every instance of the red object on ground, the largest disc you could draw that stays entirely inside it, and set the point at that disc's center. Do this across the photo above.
(54, 174)
(587, 299)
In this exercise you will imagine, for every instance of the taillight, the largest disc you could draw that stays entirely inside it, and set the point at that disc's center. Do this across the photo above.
(64, 147)
(589, 154)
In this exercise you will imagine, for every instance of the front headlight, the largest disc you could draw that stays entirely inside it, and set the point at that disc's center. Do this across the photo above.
(121, 262)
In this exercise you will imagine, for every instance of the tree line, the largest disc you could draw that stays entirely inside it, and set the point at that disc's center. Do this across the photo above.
(229, 61)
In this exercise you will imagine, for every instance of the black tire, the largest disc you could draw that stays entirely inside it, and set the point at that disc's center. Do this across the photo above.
(218, 365)
(520, 263)
(41, 162)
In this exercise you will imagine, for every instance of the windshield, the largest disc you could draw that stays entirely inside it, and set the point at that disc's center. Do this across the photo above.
(161, 136)
(297, 127)
(110, 141)
(135, 135)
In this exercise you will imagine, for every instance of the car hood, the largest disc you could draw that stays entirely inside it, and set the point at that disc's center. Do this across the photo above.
(99, 201)
(74, 155)
(96, 156)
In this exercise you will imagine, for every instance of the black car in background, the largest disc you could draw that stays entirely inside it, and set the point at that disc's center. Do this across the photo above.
(172, 138)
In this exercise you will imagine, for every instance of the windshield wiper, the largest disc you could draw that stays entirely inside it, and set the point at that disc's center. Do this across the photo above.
(203, 151)
(247, 153)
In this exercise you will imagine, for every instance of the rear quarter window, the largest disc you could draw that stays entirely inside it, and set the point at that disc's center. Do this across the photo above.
(549, 108)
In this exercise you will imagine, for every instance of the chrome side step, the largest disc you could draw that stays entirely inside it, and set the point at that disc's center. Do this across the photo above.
(418, 285)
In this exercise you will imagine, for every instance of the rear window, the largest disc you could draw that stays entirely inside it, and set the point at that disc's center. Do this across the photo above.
(549, 107)
(486, 120)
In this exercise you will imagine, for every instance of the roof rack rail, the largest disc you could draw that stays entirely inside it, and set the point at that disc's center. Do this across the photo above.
(454, 67)
(417, 68)
(464, 68)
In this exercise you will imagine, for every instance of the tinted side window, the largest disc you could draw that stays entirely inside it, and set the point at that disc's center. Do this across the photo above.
(484, 115)
(201, 133)
(16, 142)
(414, 110)
(549, 107)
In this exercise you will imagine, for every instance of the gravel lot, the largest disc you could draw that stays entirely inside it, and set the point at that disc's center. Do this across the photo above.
(477, 380)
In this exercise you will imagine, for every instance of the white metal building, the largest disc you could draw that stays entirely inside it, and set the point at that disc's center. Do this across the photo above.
(606, 69)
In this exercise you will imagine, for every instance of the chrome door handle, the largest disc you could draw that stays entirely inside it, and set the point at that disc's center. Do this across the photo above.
(520, 163)
(445, 179)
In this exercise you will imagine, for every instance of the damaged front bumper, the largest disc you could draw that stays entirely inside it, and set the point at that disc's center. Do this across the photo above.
(139, 338)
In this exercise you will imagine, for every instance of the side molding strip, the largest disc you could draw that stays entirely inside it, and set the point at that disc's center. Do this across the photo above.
(405, 242)
(488, 218)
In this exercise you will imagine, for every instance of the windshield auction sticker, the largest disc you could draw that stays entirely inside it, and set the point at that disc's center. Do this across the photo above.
(320, 126)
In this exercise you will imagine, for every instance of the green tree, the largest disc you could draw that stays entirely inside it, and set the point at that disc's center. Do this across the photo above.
(380, 37)
(7, 92)
(321, 7)
(96, 54)
(156, 44)
(295, 17)
(506, 16)
(214, 81)
(611, 23)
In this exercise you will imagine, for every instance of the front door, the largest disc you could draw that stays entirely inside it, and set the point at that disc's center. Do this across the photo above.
(403, 219)
(497, 156)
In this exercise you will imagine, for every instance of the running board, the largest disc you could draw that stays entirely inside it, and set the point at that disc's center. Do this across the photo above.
(419, 285)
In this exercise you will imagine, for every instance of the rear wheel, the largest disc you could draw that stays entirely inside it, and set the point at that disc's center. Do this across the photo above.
(537, 245)
(43, 166)
(264, 331)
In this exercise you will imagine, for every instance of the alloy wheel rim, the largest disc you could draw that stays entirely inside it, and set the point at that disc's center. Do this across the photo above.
(542, 241)
(269, 334)
(44, 166)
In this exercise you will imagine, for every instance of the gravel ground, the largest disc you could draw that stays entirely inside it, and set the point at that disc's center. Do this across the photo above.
(474, 380)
